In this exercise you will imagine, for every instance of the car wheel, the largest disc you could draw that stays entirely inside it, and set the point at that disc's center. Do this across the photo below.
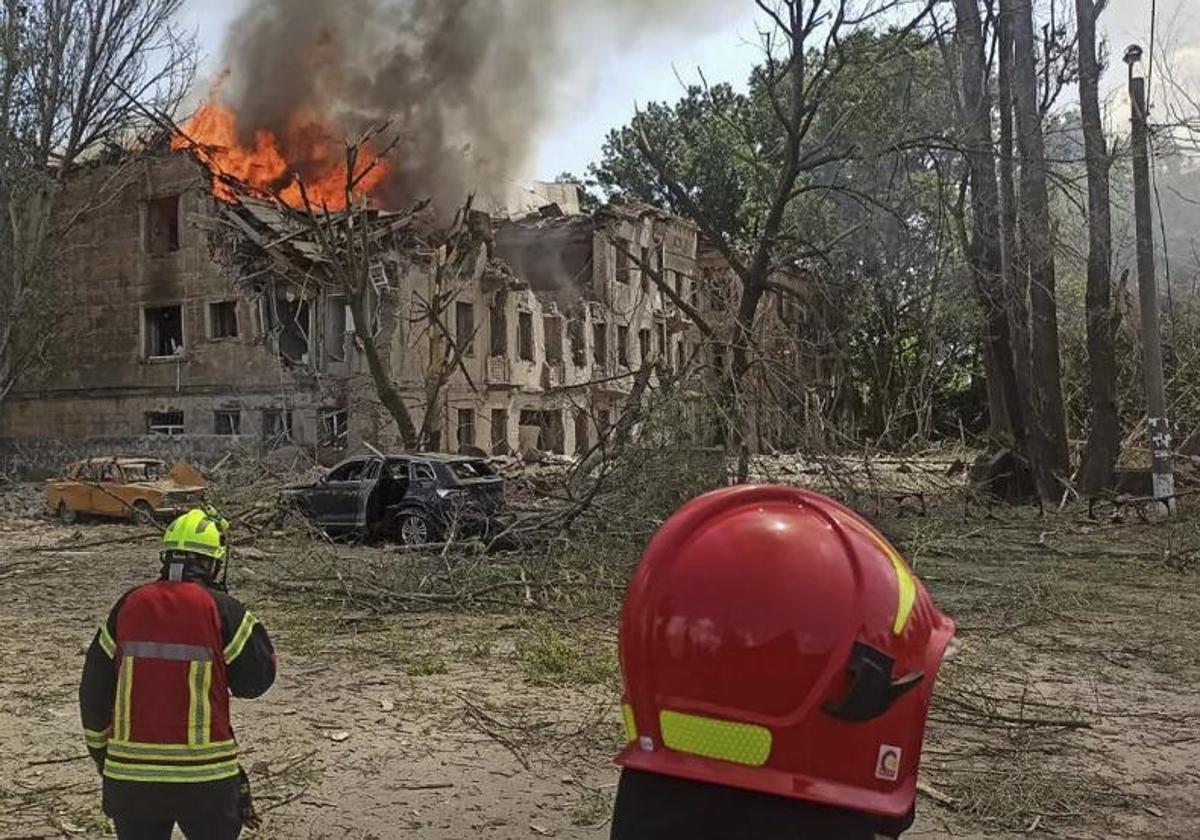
(143, 513)
(66, 515)
(413, 528)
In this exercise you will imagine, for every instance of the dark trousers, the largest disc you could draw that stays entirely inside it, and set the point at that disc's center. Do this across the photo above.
(206, 828)
(653, 807)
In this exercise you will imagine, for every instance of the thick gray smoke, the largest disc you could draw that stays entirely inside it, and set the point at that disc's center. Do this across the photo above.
(469, 84)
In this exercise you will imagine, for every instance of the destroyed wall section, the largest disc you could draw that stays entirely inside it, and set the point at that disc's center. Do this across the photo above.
(567, 277)
(124, 262)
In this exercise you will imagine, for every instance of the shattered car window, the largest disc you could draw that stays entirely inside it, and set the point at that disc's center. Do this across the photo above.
(351, 471)
(147, 471)
(398, 470)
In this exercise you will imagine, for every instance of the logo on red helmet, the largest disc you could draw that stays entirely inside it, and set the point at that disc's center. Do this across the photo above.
(887, 766)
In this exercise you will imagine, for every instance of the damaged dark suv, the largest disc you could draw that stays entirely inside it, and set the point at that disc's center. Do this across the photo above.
(413, 499)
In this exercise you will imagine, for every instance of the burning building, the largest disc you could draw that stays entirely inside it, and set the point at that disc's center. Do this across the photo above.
(185, 326)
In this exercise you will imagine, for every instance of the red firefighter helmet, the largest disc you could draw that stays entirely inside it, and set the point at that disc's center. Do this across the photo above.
(772, 640)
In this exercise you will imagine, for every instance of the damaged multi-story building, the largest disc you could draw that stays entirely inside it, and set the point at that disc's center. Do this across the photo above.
(173, 336)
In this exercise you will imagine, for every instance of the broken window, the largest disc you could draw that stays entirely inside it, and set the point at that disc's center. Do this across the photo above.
(350, 471)
(499, 431)
(227, 422)
(645, 271)
(466, 428)
(581, 432)
(549, 426)
(290, 321)
(464, 328)
(222, 320)
(622, 262)
(277, 424)
(169, 423)
(600, 344)
(499, 328)
(163, 329)
(678, 282)
(578, 344)
(335, 428)
(162, 225)
(603, 422)
(623, 346)
(525, 335)
(679, 360)
(554, 342)
(337, 318)
(644, 344)
(662, 339)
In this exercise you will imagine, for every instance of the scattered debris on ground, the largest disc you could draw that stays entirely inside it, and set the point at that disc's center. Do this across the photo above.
(456, 692)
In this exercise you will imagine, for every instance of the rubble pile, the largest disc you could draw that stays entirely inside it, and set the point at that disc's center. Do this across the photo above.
(245, 486)
(21, 501)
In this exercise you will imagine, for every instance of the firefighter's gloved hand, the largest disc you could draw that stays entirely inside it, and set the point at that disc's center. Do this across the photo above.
(98, 757)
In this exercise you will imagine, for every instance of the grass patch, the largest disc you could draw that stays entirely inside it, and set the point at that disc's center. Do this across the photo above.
(551, 658)
(476, 651)
(426, 665)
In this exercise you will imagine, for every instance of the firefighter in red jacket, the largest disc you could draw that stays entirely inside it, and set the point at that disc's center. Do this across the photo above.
(778, 659)
(155, 692)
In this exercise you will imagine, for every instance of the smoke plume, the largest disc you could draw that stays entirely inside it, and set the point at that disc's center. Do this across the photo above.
(469, 85)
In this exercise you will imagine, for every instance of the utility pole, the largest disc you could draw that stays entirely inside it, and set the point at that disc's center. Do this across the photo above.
(1156, 404)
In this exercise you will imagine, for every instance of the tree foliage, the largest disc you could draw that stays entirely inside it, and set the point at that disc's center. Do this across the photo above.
(873, 226)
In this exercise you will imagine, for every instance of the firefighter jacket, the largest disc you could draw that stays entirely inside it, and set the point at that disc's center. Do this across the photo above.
(155, 695)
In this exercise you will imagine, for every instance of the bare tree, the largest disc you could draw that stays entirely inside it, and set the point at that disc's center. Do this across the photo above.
(79, 79)
(1104, 437)
(985, 255)
(1050, 458)
(352, 246)
(804, 57)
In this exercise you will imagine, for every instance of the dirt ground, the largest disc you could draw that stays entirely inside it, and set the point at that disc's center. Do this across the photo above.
(1070, 710)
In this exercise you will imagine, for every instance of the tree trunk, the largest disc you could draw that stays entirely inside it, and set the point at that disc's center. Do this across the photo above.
(384, 386)
(739, 416)
(1013, 269)
(1004, 397)
(1051, 463)
(1104, 438)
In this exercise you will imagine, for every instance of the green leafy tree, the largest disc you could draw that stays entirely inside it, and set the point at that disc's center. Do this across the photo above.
(869, 216)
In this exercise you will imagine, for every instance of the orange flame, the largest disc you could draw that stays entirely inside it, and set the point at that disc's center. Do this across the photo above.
(306, 151)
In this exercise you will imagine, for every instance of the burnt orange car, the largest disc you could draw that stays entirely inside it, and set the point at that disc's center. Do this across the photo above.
(141, 489)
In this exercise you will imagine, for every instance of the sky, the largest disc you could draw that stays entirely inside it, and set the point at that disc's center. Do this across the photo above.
(652, 70)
